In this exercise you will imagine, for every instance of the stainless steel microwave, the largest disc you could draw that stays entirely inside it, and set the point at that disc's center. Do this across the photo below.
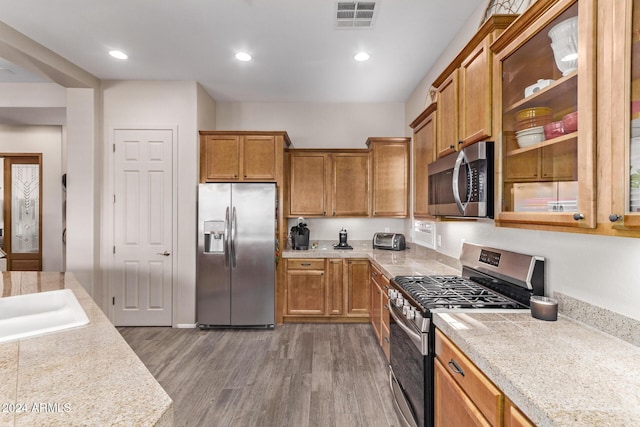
(461, 183)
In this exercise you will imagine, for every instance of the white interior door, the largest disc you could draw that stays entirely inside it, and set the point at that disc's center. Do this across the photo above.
(143, 221)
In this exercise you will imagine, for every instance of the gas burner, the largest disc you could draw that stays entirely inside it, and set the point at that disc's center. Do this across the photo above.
(431, 292)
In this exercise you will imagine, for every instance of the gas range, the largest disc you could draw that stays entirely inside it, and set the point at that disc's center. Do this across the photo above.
(491, 279)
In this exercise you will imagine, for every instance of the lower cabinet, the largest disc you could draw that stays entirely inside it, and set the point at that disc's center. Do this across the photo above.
(465, 396)
(379, 301)
(326, 290)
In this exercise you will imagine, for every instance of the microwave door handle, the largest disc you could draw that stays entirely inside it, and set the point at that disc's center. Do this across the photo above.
(462, 157)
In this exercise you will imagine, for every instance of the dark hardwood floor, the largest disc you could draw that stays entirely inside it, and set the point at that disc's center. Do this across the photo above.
(296, 375)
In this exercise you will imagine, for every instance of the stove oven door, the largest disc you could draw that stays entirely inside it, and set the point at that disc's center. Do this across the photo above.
(411, 371)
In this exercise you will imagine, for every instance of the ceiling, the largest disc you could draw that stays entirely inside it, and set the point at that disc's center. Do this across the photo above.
(299, 55)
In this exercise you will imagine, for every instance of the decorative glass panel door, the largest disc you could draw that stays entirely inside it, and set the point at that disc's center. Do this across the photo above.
(22, 212)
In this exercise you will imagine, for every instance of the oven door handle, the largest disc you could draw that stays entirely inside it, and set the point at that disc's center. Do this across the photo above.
(400, 320)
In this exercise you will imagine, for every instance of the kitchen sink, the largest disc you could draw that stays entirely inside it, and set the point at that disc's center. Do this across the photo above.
(25, 316)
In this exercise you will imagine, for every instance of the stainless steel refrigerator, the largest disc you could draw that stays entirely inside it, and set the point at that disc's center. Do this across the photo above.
(236, 255)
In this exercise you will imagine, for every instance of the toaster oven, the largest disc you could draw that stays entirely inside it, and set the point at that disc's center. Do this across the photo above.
(389, 241)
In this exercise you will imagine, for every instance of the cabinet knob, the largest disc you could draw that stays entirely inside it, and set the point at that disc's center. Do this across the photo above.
(324, 214)
(452, 146)
(578, 216)
(614, 217)
(334, 214)
(459, 142)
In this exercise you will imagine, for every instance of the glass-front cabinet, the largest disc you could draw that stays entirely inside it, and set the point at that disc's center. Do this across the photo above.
(624, 87)
(544, 93)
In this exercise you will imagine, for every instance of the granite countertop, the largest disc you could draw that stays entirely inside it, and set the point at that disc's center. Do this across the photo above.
(78, 377)
(562, 373)
(415, 260)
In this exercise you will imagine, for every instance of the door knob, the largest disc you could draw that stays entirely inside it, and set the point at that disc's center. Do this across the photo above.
(165, 253)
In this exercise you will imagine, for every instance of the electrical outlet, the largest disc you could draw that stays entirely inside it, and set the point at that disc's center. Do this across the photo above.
(439, 240)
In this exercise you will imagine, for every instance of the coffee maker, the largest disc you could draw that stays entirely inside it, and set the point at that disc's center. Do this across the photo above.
(342, 240)
(300, 236)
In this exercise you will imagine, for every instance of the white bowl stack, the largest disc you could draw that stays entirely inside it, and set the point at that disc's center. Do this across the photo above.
(531, 136)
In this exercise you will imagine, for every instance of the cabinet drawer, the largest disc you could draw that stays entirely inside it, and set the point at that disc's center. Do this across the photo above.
(305, 264)
(486, 396)
(379, 278)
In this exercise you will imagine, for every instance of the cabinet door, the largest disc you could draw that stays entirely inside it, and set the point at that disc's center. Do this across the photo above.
(306, 293)
(220, 157)
(335, 287)
(624, 212)
(358, 287)
(566, 161)
(308, 174)
(350, 184)
(452, 406)
(447, 116)
(374, 304)
(513, 417)
(475, 95)
(391, 179)
(424, 138)
(259, 158)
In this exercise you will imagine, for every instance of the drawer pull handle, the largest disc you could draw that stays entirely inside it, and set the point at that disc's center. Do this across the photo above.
(305, 264)
(455, 368)
(386, 339)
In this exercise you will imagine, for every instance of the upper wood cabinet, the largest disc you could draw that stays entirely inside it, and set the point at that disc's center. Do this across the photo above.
(391, 165)
(241, 156)
(620, 80)
(464, 91)
(550, 182)
(424, 138)
(329, 183)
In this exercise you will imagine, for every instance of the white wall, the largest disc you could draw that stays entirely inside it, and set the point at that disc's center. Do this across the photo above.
(316, 125)
(48, 141)
(163, 104)
(600, 270)
(83, 184)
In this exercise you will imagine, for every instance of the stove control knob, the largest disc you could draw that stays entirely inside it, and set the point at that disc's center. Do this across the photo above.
(405, 310)
(399, 301)
(410, 314)
(392, 294)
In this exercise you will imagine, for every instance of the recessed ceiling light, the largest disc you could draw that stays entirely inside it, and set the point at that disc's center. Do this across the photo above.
(361, 56)
(118, 54)
(243, 56)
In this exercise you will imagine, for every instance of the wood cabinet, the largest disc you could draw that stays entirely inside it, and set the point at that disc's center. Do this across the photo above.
(329, 183)
(391, 165)
(513, 417)
(306, 289)
(464, 113)
(559, 172)
(463, 394)
(241, 156)
(620, 118)
(424, 139)
(447, 115)
(326, 290)
(379, 313)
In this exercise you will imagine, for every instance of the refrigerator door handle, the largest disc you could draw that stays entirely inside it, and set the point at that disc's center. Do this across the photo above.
(226, 238)
(234, 225)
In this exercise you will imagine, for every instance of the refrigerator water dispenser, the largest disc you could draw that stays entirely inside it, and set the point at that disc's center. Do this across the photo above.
(214, 237)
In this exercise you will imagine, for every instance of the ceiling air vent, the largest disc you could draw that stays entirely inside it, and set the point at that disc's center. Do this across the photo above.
(359, 14)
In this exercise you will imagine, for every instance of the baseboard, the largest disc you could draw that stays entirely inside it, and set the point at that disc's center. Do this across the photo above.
(185, 325)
